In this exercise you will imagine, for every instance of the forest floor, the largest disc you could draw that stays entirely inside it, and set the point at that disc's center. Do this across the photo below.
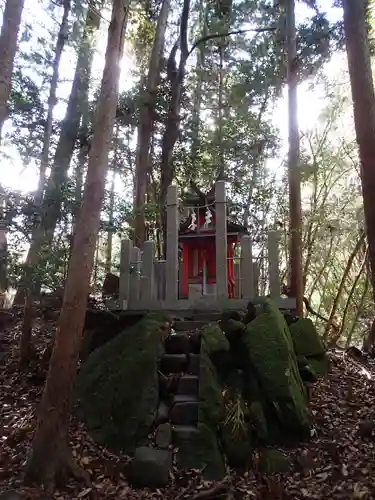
(337, 463)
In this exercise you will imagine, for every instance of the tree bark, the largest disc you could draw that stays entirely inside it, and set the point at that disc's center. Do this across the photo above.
(295, 219)
(347, 270)
(32, 280)
(350, 296)
(108, 249)
(8, 48)
(176, 77)
(146, 125)
(359, 63)
(53, 196)
(52, 100)
(50, 459)
(3, 252)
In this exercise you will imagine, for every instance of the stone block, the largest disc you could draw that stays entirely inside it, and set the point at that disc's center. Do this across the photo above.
(150, 468)
(163, 436)
(193, 367)
(188, 384)
(11, 495)
(177, 344)
(184, 412)
(189, 326)
(162, 414)
(173, 363)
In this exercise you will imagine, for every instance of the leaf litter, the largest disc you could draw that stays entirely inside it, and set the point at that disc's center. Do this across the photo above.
(337, 463)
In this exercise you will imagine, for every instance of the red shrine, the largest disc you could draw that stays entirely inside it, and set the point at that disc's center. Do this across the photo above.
(197, 244)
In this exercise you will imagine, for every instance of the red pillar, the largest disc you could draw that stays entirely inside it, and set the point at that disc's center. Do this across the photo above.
(185, 270)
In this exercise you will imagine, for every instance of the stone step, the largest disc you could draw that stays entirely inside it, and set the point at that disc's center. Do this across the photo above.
(184, 412)
(193, 367)
(185, 398)
(181, 433)
(174, 363)
(208, 317)
(188, 326)
(188, 384)
(183, 343)
(177, 344)
(150, 468)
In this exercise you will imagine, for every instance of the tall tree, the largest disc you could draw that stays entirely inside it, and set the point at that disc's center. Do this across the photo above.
(8, 48)
(50, 459)
(53, 195)
(29, 274)
(295, 219)
(362, 86)
(146, 120)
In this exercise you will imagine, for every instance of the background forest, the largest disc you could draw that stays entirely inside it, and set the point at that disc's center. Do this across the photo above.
(216, 107)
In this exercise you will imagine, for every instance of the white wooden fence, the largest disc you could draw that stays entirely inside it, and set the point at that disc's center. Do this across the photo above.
(149, 284)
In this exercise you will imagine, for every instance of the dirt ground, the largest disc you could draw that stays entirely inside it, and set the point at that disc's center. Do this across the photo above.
(337, 463)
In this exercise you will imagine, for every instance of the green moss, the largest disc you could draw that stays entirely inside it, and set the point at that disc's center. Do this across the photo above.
(273, 461)
(306, 339)
(118, 385)
(320, 364)
(201, 451)
(211, 408)
(270, 349)
(214, 339)
(233, 328)
(237, 446)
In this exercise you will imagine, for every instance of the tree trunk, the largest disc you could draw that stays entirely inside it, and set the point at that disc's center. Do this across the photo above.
(3, 252)
(351, 293)
(108, 249)
(146, 125)
(82, 158)
(176, 77)
(357, 47)
(50, 459)
(53, 196)
(8, 48)
(347, 270)
(295, 219)
(52, 100)
(32, 280)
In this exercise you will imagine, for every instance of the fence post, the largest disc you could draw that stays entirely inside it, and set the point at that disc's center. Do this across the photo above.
(147, 279)
(247, 274)
(135, 278)
(273, 264)
(221, 241)
(171, 286)
(124, 284)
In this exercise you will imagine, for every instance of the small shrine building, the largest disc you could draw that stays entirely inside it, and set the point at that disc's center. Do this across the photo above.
(197, 236)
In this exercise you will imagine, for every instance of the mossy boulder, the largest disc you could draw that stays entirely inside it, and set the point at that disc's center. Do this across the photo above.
(200, 450)
(118, 385)
(237, 447)
(308, 344)
(213, 339)
(306, 339)
(233, 328)
(271, 352)
(215, 346)
(307, 372)
(235, 432)
(273, 461)
(320, 364)
(211, 408)
(103, 326)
